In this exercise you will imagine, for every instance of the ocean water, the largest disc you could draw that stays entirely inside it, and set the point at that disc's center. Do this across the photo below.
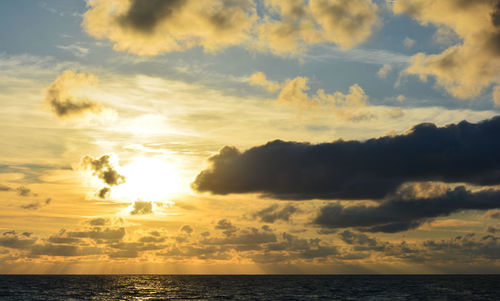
(276, 287)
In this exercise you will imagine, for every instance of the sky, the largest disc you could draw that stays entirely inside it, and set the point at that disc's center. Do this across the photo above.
(249, 136)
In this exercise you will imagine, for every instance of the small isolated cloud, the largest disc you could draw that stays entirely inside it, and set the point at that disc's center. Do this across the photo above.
(142, 208)
(23, 191)
(226, 226)
(62, 95)
(187, 228)
(104, 192)
(275, 212)
(472, 63)
(371, 169)
(260, 79)
(384, 71)
(408, 43)
(104, 169)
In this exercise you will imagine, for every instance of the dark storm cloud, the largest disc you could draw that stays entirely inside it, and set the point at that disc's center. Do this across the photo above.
(371, 169)
(274, 213)
(142, 208)
(400, 214)
(144, 16)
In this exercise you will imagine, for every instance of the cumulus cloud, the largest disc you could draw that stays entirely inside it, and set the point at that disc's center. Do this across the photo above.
(303, 23)
(260, 79)
(384, 71)
(187, 228)
(398, 213)
(282, 27)
(467, 67)
(142, 208)
(345, 22)
(275, 212)
(152, 27)
(351, 106)
(11, 239)
(226, 226)
(408, 43)
(105, 169)
(62, 95)
(463, 152)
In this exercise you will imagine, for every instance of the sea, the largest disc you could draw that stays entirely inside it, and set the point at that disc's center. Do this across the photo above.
(255, 287)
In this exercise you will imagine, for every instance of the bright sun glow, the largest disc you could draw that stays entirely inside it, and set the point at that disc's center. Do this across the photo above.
(147, 179)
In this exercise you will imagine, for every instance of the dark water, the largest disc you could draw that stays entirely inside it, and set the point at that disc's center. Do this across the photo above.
(152, 287)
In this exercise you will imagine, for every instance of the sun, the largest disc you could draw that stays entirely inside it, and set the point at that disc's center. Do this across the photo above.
(148, 179)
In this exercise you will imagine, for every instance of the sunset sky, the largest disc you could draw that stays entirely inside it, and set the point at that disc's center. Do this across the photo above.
(249, 136)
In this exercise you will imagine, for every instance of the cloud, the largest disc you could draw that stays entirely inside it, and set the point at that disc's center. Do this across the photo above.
(463, 152)
(493, 214)
(104, 169)
(350, 107)
(100, 221)
(63, 250)
(496, 96)
(37, 205)
(408, 43)
(23, 191)
(301, 23)
(99, 234)
(384, 71)
(282, 26)
(12, 240)
(5, 188)
(104, 192)
(152, 27)
(466, 68)
(260, 79)
(187, 228)
(142, 208)
(399, 213)
(347, 23)
(62, 97)
(274, 213)
(227, 227)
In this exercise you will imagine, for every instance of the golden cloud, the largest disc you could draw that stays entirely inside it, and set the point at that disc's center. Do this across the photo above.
(62, 99)
(152, 27)
(469, 66)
